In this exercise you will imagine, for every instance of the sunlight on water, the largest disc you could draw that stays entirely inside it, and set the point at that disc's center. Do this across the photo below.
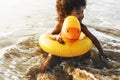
(22, 21)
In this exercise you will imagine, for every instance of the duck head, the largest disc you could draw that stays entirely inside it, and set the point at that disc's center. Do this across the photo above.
(71, 29)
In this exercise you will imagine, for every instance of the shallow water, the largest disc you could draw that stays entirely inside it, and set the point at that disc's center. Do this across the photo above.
(22, 21)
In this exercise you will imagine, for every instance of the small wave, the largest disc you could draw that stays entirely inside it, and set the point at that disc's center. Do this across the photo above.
(110, 31)
(5, 34)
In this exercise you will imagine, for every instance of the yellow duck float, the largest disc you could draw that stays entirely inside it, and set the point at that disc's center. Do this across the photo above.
(76, 42)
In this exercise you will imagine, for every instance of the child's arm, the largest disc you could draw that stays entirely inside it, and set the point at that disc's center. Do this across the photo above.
(57, 28)
(94, 39)
(56, 31)
(55, 34)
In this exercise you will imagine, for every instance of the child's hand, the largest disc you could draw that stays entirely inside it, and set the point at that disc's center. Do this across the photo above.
(106, 61)
(103, 57)
(59, 39)
(53, 37)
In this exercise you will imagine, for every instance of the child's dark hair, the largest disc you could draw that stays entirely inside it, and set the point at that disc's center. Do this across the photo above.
(64, 7)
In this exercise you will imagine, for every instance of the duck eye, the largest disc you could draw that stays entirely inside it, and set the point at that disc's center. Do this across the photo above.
(78, 31)
(67, 31)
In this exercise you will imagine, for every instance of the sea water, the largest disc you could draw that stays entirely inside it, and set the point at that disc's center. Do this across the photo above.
(22, 20)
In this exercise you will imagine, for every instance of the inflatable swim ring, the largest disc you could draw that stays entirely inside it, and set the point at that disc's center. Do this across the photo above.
(76, 42)
(77, 48)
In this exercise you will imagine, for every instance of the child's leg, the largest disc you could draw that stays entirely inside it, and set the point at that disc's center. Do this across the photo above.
(46, 63)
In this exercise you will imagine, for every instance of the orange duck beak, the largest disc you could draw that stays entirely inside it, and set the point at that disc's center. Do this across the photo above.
(71, 35)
